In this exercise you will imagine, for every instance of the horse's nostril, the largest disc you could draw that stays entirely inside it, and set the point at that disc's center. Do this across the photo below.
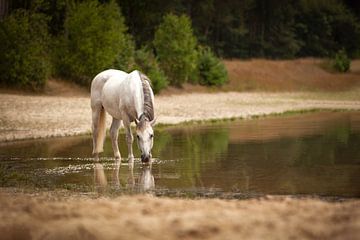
(145, 158)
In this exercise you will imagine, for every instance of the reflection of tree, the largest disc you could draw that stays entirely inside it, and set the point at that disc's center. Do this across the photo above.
(161, 142)
(322, 163)
(327, 148)
(194, 148)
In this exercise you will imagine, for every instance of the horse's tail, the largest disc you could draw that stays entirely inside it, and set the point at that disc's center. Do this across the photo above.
(101, 132)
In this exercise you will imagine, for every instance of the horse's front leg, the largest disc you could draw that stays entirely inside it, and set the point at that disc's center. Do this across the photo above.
(114, 131)
(129, 141)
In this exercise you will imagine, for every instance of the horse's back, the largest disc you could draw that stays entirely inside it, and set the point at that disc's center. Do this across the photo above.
(99, 82)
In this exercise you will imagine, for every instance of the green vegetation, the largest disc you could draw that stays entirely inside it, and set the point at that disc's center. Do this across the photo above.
(94, 39)
(273, 29)
(146, 62)
(175, 45)
(89, 36)
(212, 70)
(341, 61)
(24, 40)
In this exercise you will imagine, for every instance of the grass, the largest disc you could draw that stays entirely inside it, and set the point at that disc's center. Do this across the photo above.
(289, 75)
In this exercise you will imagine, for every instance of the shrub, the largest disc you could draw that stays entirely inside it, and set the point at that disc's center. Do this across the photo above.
(212, 71)
(23, 46)
(94, 40)
(146, 62)
(125, 59)
(175, 46)
(341, 61)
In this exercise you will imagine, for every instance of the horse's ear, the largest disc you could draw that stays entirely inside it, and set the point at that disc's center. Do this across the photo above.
(136, 121)
(152, 123)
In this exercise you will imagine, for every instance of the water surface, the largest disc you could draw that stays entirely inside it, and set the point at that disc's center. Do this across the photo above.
(315, 154)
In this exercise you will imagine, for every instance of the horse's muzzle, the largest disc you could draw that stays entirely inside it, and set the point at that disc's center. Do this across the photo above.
(145, 158)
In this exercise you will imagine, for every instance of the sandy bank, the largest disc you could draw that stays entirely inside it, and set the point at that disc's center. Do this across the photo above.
(26, 117)
(45, 216)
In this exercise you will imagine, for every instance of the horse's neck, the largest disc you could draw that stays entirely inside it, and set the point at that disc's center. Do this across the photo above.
(135, 92)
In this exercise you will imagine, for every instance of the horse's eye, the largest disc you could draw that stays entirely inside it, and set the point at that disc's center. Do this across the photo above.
(151, 135)
(138, 137)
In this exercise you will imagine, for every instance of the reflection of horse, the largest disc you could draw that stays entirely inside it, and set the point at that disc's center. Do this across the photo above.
(144, 183)
(127, 97)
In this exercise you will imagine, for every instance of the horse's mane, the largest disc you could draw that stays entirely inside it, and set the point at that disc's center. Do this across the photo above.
(148, 101)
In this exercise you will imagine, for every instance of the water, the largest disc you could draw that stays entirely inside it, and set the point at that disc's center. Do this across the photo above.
(315, 154)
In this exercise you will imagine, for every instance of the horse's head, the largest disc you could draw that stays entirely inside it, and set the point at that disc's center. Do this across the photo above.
(145, 138)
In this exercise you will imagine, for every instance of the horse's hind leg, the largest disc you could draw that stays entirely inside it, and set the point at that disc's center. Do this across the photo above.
(98, 129)
(95, 126)
(114, 132)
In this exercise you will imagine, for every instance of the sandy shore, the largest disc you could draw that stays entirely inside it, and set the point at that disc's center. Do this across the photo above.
(26, 117)
(46, 216)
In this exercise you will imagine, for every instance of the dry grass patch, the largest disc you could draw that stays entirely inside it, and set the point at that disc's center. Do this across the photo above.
(288, 75)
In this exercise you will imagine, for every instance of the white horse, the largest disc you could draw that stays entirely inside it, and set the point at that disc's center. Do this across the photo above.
(127, 97)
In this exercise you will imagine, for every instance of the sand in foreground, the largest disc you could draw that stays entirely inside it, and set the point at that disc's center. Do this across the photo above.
(45, 216)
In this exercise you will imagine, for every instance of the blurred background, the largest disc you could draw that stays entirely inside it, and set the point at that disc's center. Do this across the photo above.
(177, 42)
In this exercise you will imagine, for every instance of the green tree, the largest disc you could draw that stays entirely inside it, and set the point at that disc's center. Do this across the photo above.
(272, 29)
(341, 61)
(94, 39)
(212, 71)
(146, 62)
(24, 43)
(175, 46)
(325, 27)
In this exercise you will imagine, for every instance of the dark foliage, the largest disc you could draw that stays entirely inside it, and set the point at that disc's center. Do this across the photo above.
(24, 60)
(238, 28)
(90, 35)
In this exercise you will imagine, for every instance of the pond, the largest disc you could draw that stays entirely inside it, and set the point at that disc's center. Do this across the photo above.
(316, 154)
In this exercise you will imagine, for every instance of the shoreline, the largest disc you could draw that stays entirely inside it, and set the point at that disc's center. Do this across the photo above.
(38, 117)
(194, 123)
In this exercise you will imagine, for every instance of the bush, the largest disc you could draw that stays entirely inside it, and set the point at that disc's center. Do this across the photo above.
(175, 46)
(23, 46)
(212, 71)
(125, 59)
(341, 61)
(146, 62)
(94, 40)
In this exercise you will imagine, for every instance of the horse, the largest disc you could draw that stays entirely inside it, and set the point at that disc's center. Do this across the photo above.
(128, 98)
